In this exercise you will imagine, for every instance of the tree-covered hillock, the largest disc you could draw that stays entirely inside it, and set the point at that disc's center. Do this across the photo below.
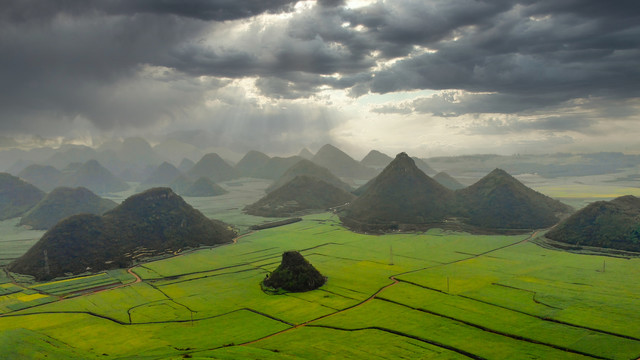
(611, 224)
(294, 274)
(150, 223)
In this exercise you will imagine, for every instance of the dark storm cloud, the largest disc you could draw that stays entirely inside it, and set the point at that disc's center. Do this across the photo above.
(526, 49)
(552, 124)
(67, 59)
(453, 103)
(217, 10)
(134, 63)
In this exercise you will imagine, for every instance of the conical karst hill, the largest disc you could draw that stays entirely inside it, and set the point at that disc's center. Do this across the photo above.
(500, 201)
(309, 168)
(611, 224)
(376, 159)
(203, 187)
(276, 166)
(17, 196)
(150, 223)
(341, 164)
(63, 202)
(251, 163)
(305, 154)
(163, 175)
(422, 165)
(401, 194)
(45, 177)
(294, 274)
(185, 165)
(301, 194)
(94, 177)
(448, 181)
(213, 167)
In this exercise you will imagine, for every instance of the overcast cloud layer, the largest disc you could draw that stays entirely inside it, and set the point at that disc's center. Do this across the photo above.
(432, 77)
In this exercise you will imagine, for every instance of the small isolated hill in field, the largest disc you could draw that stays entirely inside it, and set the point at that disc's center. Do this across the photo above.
(276, 166)
(422, 165)
(94, 177)
(500, 201)
(213, 167)
(611, 224)
(185, 165)
(150, 223)
(294, 274)
(163, 175)
(251, 163)
(376, 159)
(45, 177)
(63, 202)
(341, 164)
(305, 154)
(303, 193)
(448, 181)
(203, 187)
(401, 194)
(17, 196)
(309, 168)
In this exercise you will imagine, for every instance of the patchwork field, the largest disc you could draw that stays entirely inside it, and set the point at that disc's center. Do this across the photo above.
(436, 295)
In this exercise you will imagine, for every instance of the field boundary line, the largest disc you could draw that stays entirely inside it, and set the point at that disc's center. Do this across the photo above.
(493, 331)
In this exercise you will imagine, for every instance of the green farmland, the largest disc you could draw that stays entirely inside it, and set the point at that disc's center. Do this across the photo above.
(436, 295)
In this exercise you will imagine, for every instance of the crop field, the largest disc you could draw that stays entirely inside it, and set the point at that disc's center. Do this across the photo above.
(434, 295)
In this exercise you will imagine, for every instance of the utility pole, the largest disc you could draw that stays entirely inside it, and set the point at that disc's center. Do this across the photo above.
(390, 255)
(447, 284)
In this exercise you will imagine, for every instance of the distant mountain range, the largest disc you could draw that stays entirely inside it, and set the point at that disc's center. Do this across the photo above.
(90, 174)
(341, 164)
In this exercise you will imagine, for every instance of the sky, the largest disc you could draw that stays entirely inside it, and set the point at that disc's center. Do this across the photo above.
(443, 77)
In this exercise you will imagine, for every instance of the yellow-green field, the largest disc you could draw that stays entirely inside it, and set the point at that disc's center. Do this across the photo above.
(436, 295)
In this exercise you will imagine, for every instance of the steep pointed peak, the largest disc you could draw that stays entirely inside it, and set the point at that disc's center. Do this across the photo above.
(402, 160)
(328, 147)
(210, 156)
(499, 172)
(305, 153)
